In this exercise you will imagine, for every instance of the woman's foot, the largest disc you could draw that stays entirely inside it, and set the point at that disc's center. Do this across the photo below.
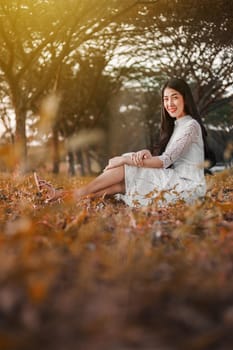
(50, 193)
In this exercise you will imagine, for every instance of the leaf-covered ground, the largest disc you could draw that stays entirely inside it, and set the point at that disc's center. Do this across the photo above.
(99, 275)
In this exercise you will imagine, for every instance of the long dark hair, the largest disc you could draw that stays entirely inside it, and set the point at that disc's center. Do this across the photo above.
(190, 108)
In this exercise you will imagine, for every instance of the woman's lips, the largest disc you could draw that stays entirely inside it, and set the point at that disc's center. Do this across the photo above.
(172, 110)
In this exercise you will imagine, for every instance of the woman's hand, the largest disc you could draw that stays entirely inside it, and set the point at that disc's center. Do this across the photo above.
(115, 162)
(138, 157)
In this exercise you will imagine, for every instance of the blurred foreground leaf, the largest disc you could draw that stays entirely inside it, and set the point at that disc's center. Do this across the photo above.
(100, 275)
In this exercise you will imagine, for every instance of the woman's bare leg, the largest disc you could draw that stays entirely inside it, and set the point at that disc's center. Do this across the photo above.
(109, 182)
(118, 188)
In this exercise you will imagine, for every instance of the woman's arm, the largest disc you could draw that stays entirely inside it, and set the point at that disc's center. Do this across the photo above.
(152, 162)
(181, 144)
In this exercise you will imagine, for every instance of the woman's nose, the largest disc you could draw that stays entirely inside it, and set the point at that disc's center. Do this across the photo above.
(170, 102)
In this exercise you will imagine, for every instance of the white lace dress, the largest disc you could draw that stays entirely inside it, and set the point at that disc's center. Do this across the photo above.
(184, 180)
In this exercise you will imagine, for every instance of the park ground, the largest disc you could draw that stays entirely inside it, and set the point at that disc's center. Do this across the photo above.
(100, 275)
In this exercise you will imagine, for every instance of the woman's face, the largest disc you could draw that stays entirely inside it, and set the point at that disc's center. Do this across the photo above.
(173, 102)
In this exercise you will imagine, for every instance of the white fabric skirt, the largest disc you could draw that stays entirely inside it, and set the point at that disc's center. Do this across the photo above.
(143, 186)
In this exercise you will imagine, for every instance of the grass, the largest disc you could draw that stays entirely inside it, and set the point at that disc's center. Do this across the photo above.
(101, 275)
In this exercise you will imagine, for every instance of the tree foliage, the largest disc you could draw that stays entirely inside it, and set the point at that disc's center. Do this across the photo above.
(37, 38)
(43, 43)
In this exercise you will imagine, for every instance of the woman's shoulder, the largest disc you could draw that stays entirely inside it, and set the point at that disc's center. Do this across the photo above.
(192, 122)
(187, 122)
(190, 126)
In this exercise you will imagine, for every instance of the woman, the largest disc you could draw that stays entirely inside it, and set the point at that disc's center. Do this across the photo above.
(177, 172)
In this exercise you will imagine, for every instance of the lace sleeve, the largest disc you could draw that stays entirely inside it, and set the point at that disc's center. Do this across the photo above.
(181, 144)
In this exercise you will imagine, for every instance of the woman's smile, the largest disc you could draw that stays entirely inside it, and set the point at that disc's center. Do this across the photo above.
(173, 103)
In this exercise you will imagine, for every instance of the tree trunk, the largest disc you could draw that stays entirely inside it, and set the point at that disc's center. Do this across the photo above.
(71, 168)
(80, 162)
(56, 152)
(20, 139)
(87, 161)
